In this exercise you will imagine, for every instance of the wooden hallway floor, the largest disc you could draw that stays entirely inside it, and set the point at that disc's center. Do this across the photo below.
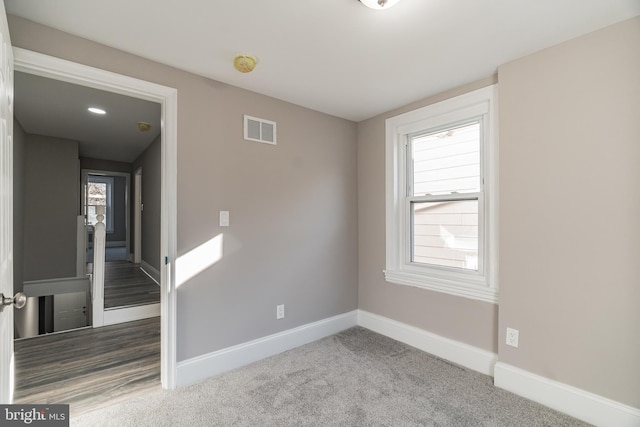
(125, 284)
(89, 368)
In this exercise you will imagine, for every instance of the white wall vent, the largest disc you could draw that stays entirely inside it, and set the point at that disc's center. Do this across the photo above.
(259, 130)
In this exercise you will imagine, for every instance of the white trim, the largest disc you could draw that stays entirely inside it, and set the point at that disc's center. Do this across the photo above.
(463, 354)
(97, 311)
(71, 72)
(128, 314)
(137, 216)
(63, 285)
(153, 273)
(97, 275)
(202, 367)
(169, 239)
(481, 285)
(570, 400)
(445, 285)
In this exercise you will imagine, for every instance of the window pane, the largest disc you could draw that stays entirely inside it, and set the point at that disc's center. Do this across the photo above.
(445, 233)
(97, 193)
(447, 161)
(91, 215)
(96, 196)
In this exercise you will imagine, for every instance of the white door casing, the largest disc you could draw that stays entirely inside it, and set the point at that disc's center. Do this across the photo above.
(137, 217)
(6, 209)
(71, 72)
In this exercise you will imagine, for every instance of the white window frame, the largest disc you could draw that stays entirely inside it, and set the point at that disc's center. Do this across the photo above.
(478, 285)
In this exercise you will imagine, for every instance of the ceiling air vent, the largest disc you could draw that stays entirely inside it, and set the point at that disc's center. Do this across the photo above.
(259, 130)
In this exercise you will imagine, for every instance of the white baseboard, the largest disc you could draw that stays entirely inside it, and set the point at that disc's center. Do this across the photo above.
(578, 403)
(150, 271)
(463, 354)
(573, 401)
(128, 314)
(202, 367)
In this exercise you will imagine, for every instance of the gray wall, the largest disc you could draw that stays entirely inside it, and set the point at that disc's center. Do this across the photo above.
(568, 276)
(104, 165)
(570, 212)
(150, 162)
(461, 319)
(50, 207)
(568, 219)
(19, 143)
(293, 234)
(120, 213)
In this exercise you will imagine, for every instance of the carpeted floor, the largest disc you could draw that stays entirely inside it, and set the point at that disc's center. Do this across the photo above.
(354, 378)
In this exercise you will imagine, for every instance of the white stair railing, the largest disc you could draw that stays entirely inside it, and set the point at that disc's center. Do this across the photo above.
(97, 286)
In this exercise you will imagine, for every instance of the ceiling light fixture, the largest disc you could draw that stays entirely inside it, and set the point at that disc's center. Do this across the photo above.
(144, 126)
(245, 63)
(379, 4)
(95, 110)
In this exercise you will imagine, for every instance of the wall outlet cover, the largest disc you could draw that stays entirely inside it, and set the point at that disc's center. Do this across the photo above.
(513, 336)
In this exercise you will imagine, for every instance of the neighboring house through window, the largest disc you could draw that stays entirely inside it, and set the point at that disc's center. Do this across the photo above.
(100, 193)
(441, 185)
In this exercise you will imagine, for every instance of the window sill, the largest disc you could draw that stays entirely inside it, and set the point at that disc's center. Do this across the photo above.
(470, 291)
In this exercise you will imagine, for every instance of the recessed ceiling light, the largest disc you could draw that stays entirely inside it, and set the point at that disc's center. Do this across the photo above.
(95, 110)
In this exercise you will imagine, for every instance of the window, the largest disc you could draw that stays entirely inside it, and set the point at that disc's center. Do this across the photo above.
(100, 193)
(441, 177)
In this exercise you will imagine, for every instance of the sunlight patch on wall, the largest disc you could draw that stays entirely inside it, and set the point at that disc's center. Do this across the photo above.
(199, 259)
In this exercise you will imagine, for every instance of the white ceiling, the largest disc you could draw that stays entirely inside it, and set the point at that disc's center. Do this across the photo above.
(333, 56)
(58, 109)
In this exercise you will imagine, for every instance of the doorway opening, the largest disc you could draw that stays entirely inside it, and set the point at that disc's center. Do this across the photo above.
(54, 68)
(110, 190)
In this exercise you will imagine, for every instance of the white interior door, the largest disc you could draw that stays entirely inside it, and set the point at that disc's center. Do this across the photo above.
(69, 311)
(6, 209)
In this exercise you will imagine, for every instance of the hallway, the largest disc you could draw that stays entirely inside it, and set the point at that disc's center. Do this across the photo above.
(125, 285)
(89, 368)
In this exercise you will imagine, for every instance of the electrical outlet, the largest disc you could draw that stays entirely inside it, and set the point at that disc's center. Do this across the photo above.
(280, 312)
(512, 337)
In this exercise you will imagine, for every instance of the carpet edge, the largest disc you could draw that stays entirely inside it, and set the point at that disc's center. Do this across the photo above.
(578, 403)
(199, 368)
(457, 352)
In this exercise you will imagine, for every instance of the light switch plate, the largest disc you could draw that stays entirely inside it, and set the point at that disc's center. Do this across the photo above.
(224, 218)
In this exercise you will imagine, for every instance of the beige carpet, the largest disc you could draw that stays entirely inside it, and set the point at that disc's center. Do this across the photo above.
(355, 378)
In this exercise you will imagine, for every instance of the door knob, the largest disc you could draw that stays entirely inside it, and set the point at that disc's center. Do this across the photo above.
(18, 301)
